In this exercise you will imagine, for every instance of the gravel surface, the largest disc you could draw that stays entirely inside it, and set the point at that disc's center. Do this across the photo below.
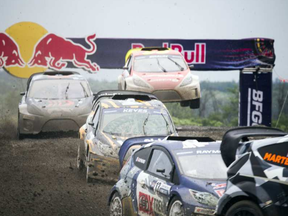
(38, 176)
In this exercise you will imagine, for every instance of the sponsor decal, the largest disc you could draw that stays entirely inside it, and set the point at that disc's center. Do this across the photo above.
(278, 159)
(140, 160)
(196, 56)
(204, 211)
(27, 48)
(149, 204)
(135, 111)
(220, 193)
(208, 152)
(257, 106)
(161, 187)
(217, 186)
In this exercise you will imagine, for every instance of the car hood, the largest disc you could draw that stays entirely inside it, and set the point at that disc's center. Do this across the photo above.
(165, 80)
(215, 187)
(59, 108)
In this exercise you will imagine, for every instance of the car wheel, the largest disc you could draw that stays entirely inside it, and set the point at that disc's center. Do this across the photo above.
(88, 169)
(176, 207)
(195, 104)
(116, 208)
(185, 103)
(244, 207)
(80, 161)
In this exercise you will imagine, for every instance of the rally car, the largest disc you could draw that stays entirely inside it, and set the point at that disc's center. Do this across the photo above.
(114, 119)
(258, 178)
(54, 101)
(163, 72)
(173, 176)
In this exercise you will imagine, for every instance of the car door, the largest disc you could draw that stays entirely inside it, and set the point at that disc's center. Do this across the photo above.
(92, 126)
(154, 183)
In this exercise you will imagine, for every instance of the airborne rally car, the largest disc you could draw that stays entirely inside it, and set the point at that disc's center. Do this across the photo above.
(116, 117)
(175, 176)
(163, 72)
(54, 101)
(258, 180)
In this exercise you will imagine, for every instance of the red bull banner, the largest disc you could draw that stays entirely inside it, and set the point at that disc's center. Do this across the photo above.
(27, 48)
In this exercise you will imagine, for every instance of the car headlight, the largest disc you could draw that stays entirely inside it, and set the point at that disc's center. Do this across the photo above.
(140, 82)
(204, 198)
(186, 81)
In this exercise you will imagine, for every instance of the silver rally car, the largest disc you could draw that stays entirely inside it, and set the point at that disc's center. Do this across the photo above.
(54, 101)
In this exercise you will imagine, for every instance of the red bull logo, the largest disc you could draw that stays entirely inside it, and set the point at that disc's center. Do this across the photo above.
(196, 56)
(27, 48)
(9, 52)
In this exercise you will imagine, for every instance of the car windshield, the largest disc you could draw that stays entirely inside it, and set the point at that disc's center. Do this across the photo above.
(159, 63)
(59, 89)
(130, 122)
(202, 165)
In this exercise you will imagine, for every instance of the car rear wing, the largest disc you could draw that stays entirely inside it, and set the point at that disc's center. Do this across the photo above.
(232, 138)
(123, 94)
(127, 144)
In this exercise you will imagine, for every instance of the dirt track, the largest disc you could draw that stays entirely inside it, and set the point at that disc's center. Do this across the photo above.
(38, 176)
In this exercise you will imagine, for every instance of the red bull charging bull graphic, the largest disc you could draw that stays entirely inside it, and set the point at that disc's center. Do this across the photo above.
(27, 48)
(9, 52)
(54, 52)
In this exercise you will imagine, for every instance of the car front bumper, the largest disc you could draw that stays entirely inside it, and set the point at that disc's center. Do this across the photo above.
(34, 124)
(179, 93)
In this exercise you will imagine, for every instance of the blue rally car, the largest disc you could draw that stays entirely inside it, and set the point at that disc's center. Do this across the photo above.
(173, 176)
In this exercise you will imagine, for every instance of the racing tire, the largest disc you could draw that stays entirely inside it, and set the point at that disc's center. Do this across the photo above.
(176, 207)
(79, 160)
(195, 104)
(184, 103)
(88, 169)
(244, 207)
(116, 207)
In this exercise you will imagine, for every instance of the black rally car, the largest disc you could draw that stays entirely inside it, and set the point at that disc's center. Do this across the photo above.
(258, 179)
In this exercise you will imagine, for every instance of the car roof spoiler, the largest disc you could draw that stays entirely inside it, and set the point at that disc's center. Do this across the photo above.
(123, 94)
(184, 138)
(231, 139)
(128, 143)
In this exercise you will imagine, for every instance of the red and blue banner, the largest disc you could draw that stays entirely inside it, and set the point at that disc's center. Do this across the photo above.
(199, 54)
